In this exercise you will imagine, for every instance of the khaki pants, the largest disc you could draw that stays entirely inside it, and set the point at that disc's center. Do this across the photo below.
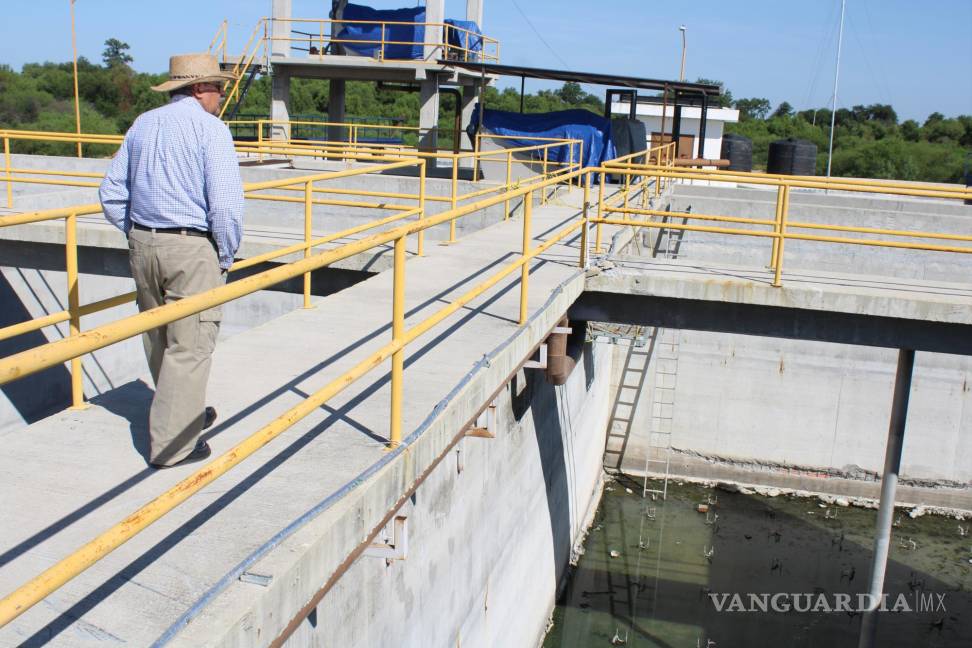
(167, 267)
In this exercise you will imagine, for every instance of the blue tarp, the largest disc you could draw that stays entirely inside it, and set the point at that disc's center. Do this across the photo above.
(413, 34)
(593, 130)
(471, 43)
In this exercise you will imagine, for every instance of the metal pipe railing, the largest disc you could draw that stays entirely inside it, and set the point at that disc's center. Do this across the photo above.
(25, 363)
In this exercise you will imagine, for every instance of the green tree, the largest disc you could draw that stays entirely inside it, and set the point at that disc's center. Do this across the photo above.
(910, 130)
(783, 110)
(724, 100)
(752, 108)
(572, 93)
(116, 53)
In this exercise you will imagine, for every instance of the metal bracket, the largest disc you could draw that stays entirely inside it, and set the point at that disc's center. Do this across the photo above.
(489, 431)
(562, 329)
(262, 580)
(397, 548)
(538, 364)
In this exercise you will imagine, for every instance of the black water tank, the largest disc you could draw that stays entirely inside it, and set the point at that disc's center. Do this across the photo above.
(739, 151)
(792, 157)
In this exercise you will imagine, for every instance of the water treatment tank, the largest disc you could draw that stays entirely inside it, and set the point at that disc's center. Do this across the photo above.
(739, 151)
(792, 157)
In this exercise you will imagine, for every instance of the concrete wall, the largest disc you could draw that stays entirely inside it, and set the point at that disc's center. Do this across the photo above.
(490, 531)
(770, 404)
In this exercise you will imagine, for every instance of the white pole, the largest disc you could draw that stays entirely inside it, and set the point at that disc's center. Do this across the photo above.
(833, 112)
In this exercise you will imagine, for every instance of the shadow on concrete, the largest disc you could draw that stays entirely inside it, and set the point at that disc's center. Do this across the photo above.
(557, 475)
(38, 395)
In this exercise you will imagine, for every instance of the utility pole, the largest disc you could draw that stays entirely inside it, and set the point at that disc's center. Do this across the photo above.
(77, 102)
(681, 74)
(833, 111)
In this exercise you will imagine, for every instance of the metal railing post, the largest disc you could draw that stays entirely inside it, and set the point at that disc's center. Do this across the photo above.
(525, 270)
(509, 179)
(776, 226)
(644, 189)
(586, 216)
(6, 159)
(600, 215)
(781, 236)
(543, 191)
(260, 139)
(398, 332)
(381, 52)
(74, 305)
(308, 217)
(627, 189)
(421, 201)
(455, 197)
(476, 158)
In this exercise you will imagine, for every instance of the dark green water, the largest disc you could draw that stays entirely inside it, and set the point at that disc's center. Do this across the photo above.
(658, 589)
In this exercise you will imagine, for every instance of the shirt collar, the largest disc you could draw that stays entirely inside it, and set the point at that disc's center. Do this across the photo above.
(180, 98)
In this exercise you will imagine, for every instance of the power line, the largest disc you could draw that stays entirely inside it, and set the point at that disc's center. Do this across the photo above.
(537, 32)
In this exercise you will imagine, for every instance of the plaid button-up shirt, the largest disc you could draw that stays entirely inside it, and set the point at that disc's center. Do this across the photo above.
(177, 168)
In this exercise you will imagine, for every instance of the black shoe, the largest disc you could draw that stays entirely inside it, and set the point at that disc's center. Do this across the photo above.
(200, 452)
(210, 417)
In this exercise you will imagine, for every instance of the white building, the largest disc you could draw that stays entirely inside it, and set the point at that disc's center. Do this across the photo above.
(651, 115)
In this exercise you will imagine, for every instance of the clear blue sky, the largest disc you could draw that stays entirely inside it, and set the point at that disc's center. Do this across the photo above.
(916, 56)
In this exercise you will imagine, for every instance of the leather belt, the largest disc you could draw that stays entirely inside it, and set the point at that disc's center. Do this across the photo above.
(184, 231)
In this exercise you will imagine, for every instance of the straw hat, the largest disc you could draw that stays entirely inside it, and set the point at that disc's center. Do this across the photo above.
(186, 69)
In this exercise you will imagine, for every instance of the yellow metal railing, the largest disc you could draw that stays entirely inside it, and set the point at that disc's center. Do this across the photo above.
(28, 362)
(779, 230)
(780, 227)
(254, 191)
(325, 33)
(217, 46)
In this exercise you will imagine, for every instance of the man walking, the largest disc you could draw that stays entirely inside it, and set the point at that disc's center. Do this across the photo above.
(174, 189)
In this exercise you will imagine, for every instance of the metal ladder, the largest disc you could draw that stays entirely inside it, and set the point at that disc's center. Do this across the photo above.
(659, 450)
(630, 388)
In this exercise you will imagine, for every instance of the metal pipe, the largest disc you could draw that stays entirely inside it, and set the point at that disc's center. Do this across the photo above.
(587, 219)
(776, 226)
(421, 206)
(509, 178)
(455, 197)
(308, 215)
(543, 192)
(74, 306)
(702, 123)
(600, 215)
(77, 100)
(781, 237)
(833, 112)
(398, 331)
(889, 483)
(6, 158)
(525, 270)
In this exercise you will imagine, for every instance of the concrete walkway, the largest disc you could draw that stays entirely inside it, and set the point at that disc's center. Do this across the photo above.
(71, 476)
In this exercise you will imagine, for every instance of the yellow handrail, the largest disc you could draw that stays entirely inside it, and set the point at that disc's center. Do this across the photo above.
(27, 362)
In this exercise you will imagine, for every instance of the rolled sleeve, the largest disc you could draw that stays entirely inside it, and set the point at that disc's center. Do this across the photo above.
(224, 195)
(114, 192)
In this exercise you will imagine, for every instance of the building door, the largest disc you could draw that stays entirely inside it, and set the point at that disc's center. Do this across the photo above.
(686, 144)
